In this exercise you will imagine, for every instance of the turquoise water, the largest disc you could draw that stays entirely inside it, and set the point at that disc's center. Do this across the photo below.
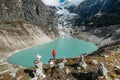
(68, 47)
(62, 0)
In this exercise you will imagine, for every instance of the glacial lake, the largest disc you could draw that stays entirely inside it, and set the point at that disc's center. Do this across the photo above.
(68, 47)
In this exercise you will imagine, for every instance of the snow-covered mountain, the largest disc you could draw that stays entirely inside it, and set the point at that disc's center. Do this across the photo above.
(63, 17)
(99, 18)
(90, 12)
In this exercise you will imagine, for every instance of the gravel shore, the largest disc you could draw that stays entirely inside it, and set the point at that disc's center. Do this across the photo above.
(94, 39)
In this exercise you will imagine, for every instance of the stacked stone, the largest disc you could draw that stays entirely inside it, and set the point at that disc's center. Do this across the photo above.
(39, 68)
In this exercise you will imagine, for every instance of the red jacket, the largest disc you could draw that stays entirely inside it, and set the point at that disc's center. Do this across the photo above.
(54, 52)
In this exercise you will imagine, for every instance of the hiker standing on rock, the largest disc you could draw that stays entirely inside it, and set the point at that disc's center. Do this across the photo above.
(54, 53)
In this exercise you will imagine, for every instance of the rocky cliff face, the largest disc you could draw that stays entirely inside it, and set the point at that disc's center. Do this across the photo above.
(19, 36)
(24, 23)
(98, 12)
(100, 18)
(32, 11)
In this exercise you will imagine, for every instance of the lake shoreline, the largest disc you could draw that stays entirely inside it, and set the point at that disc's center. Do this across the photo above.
(9, 54)
(64, 47)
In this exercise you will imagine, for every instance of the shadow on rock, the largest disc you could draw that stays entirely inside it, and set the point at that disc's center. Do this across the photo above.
(84, 76)
(29, 72)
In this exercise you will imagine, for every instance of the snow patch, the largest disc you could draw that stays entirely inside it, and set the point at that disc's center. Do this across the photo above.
(75, 2)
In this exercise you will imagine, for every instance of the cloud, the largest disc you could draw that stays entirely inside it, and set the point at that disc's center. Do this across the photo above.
(58, 2)
(51, 2)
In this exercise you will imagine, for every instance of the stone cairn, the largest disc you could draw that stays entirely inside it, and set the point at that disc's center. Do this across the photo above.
(81, 62)
(39, 68)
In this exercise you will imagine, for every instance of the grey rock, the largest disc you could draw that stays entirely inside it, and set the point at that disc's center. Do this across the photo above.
(61, 65)
(102, 71)
(94, 61)
(23, 24)
(81, 62)
(31, 11)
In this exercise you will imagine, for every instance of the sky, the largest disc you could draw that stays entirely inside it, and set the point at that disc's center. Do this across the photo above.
(59, 2)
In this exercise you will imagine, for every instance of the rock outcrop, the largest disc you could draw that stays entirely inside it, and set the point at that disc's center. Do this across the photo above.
(100, 19)
(20, 36)
(32, 11)
(98, 12)
(24, 23)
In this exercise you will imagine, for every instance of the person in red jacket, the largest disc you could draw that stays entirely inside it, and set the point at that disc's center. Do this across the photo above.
(54, 53)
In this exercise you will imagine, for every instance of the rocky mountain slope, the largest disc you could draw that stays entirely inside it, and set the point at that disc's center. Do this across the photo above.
(32, 11)
(96, 21)
(98, 12)
(100, 19)
(20, 36)
(24, 23)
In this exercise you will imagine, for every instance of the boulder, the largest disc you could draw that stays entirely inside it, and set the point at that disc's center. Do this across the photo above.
(94, 62)
(61, 65)
(102, 71)
(51, 64)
